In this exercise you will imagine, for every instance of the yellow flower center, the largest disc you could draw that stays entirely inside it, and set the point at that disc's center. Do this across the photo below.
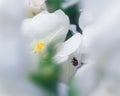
(39, 46)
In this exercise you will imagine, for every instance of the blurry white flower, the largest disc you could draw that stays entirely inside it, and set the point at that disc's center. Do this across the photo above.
(93, 9)
(10, 37)
(102, 37)
(105, 88)
(34, 7)
(13, 55)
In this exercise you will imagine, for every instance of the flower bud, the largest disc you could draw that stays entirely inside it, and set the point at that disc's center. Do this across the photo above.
(34, 7)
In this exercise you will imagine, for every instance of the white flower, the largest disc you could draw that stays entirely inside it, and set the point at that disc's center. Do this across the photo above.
(53, 27)
(105, 88)
(44, 28)
(13, 65)
(34, 7)
(69, 55)
(101, 36)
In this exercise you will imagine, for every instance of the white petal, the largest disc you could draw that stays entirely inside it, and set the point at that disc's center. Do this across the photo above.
(103, 34)
(68, 50)
(85, 19)
(62, 89)
(85, 79)
(70, 45)
(92, 10)
(33, 7)
(95, 7)
(59, 59)
(46, 24)
(73, 28)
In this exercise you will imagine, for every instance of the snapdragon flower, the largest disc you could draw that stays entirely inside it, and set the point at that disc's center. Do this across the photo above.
(44, 28)
(69, 56)
(100, 24)
(53, 27)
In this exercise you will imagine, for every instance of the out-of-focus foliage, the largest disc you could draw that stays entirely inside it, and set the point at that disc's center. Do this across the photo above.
(48, 72)
(54, 4)
(73, 13)
(70, 33)
(72, 91)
